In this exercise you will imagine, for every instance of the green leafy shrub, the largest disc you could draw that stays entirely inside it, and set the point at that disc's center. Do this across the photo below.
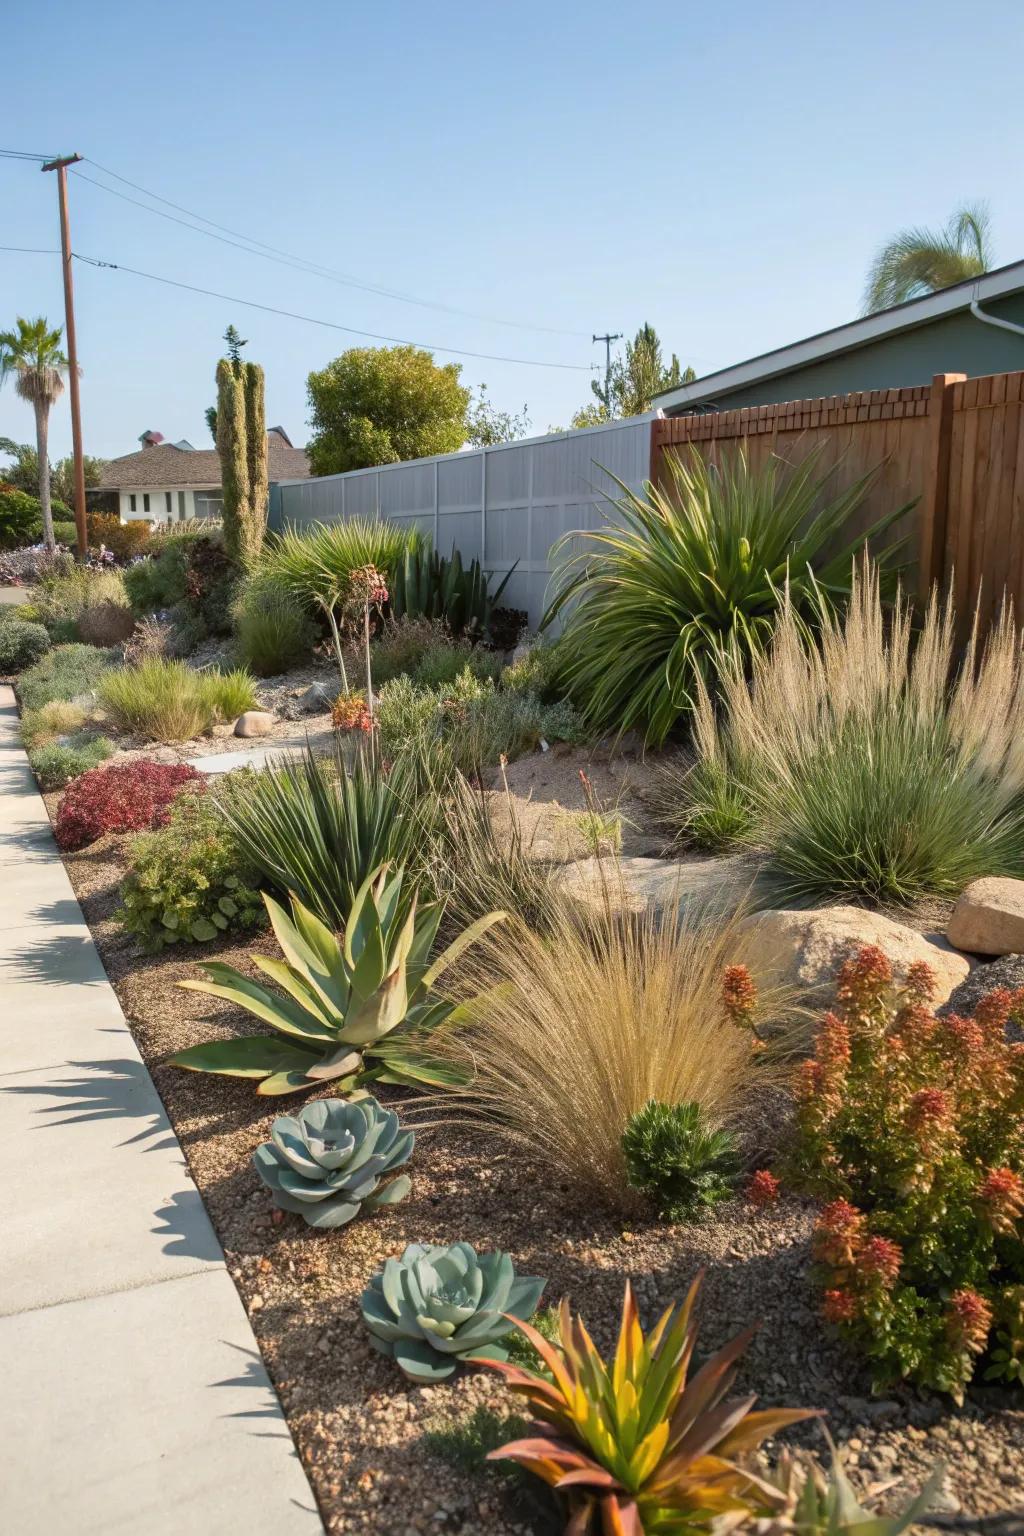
(272, 631)
(21, 518)
(400, 645)
(21, 645)
(164, 700)
(153, 583)
(480, 723)
(56, 763)
(66, 534)
(686, 575)
(436, 1307)
(63, 673)
(443, 663)
(426, 585)
(682, 1164)
(318, 828)
(913, 1127)
(353, 1012)
(187, 882)
(538, 671)
(316, 562)
(63, 599)
(869, 768)
(189, 571)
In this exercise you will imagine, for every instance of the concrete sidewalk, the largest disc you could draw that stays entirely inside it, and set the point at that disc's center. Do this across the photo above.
(133, 1394)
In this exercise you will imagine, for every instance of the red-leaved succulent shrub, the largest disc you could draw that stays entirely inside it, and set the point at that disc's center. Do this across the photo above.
(129, 797)
(912, 1127)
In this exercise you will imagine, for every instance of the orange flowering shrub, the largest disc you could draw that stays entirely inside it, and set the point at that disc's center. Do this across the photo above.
(350, 712)
(913, 1127)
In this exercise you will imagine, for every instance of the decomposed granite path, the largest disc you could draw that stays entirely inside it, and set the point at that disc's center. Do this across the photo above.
(132, 1393)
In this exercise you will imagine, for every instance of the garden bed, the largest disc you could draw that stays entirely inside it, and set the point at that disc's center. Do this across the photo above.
(362, 1431)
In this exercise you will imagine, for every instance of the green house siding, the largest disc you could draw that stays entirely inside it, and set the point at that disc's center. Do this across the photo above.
(956, 343)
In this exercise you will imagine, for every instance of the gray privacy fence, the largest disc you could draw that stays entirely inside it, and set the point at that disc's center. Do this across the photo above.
(505, 506)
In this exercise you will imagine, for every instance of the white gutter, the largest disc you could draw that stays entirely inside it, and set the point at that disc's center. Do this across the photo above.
(1005, 325)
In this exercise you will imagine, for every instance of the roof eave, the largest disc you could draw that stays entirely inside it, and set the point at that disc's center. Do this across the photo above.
(847, 338)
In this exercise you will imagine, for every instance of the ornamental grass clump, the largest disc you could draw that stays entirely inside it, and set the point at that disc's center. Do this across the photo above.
(868, 766)
(912, 1127)
(162, 700)
(690, 573)
(631, 1445)
(580, 1026)
(314, 564)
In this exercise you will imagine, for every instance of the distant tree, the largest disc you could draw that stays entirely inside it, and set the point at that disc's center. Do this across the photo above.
(487, 425)
(32, 355)
(920, 261)
(377, 405)
(24, 472)
(62, 476)
(211, 420)
(234, 343)
(633, 382)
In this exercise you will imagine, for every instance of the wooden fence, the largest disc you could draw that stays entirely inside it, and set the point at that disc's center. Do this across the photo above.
(956, 446)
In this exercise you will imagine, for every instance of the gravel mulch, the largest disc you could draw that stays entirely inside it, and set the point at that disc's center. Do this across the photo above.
(358, 1425)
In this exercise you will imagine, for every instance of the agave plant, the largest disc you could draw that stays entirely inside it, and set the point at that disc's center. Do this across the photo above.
(436, 1307)
(327, 1162)
(686, 574)
(424, 584)
(341, 1003)
(804, 1502)
(634, 1447)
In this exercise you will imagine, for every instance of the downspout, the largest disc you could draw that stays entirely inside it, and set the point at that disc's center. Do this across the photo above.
(1005, 325)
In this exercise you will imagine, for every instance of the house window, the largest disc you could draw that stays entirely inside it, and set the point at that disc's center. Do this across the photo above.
(181, 506)
(131, 503)
(169, 504)
(145, 501)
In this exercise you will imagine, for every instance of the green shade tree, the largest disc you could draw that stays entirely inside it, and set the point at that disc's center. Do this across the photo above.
(921, 261)
(378, 405)
(32, 355)
(24, 472)
(487, 425)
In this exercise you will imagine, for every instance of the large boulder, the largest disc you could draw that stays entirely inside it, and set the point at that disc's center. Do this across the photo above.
(644, 885)
(806, 949)
(986, 977)
(989, 918)
(255, 722)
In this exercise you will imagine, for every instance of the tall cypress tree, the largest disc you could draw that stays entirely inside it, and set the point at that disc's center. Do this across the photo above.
(234, 458)
(253, 523)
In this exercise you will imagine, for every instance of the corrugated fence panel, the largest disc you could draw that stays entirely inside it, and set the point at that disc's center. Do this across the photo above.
(506, 506)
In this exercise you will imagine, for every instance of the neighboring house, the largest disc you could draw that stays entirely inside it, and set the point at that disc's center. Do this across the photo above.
(169, 482)
(974, 327)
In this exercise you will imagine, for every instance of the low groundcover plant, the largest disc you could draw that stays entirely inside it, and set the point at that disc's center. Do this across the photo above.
(912, 1127)
(127, 797)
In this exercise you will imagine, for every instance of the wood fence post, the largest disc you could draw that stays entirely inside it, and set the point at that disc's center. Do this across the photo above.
(934, 516)
(657, 434)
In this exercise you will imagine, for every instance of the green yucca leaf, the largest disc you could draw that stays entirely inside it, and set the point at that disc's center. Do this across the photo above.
(683, 576)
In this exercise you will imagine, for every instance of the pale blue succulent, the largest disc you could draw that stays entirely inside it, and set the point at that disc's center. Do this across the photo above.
(327, 1162)
(434, 1307)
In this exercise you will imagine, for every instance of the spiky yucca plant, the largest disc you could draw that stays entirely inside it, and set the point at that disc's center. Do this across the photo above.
(633, 1446)
(687, 574)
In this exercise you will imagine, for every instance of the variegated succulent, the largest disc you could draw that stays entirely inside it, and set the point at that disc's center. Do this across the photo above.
(331, 1159)
(435, 1306)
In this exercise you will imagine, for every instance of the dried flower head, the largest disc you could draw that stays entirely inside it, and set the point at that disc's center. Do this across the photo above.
(839, 1234)
(739, 996)
(864, 978)
(920, 982)
(879, 1261)
(968, 1320)
(1002, 1195)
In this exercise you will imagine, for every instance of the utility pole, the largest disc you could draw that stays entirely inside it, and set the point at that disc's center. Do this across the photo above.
(61, 167)
(608, 339)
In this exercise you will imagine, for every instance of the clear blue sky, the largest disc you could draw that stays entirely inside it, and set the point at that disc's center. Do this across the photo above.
(725, 172)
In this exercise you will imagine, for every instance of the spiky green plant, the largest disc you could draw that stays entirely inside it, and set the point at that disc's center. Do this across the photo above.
(685, 575)
(317, 827)
(351, 1013)
(428, 585)
(435, 1307)
(681, 1163)
(315, 563)
(327, 1162)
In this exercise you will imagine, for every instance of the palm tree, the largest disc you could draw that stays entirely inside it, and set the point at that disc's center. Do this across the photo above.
(33, 355)
(920, 261)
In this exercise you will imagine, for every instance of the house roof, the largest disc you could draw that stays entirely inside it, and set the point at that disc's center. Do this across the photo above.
(845, 338)
(168, 466)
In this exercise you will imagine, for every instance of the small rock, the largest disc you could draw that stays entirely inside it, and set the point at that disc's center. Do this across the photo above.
(806, 949)
(989, 918)
(988, 976)
(255, 722)
(317, 698)
(638, 885)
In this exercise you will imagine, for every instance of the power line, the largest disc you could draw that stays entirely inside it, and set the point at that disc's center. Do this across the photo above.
(274, 253)
(32, 250)
(22, 154)
(333, 325)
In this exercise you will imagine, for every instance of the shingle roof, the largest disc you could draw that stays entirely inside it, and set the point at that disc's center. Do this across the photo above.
(167, 466)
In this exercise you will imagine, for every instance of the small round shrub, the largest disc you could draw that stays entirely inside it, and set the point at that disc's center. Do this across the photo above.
(683, 1165)
(21, 645)
(272, 630)
(63, 673)
(56, 763)
(105, 624)
(187, 882)
(129, 797)
(125, 541)
(66, 534)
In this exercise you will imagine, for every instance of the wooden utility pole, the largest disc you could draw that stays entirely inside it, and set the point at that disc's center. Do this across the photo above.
(61, 167)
